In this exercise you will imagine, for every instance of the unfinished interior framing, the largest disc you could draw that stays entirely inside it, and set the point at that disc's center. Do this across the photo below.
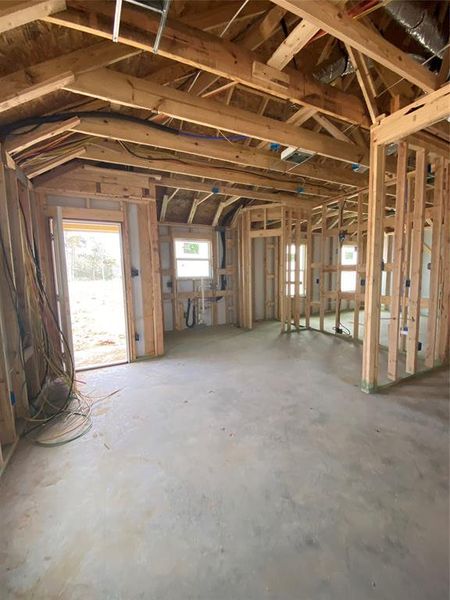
(320, 205)
(263, 163)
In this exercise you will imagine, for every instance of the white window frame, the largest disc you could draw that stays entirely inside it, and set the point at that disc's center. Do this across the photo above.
(192, 240)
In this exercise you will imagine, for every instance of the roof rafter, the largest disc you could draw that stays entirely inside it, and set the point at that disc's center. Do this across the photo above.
(215, 55)
(21, 142)
(50, 164)
(295, 41)
(50, 75)
(14, 14)
(258, 33)
(333, 20)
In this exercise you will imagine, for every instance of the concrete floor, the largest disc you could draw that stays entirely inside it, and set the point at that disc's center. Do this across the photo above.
(241, 466)
(347, 317)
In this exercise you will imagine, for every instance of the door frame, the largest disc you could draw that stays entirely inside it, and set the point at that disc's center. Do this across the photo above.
(56, 228)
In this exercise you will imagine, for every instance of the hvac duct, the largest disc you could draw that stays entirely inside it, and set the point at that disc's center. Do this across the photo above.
(418, 22)
(328, 72)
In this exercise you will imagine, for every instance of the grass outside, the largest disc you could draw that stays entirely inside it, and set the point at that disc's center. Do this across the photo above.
(98, 322)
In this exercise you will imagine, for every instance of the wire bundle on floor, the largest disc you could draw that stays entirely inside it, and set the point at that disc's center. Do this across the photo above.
(57, 416)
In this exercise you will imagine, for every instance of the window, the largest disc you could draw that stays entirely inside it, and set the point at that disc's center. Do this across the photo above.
(290, 269)
(349, 256)
(193, 259)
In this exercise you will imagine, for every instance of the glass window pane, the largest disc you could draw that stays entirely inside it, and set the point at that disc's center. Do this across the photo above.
(348, 281)
(191, 249)
(302, 283)
(349, 255)
(302, 256)
(192, 268)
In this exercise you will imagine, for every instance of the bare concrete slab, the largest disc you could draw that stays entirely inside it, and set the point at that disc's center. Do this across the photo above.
(241, 466)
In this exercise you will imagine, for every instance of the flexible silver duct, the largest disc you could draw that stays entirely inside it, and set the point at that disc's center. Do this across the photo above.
(418, 22)
(327, 72)
(330, 71)
(414, 18)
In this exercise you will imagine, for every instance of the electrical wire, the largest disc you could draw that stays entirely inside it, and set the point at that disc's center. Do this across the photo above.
(35, 122)
(192, 163)
(343, 329)
(72, 419)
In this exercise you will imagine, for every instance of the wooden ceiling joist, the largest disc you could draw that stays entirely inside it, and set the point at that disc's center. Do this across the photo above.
(18, 143)
(218, 56)
(138, 93)
(109, 152)
(50, 164)
(40, 79)
(226, 190)
(136, 133)
(416, 116)
(83, 180)
(333, 20)
(15, 14)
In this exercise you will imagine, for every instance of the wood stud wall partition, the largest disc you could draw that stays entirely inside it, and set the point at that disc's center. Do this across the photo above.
(281, 229)
(26, 247)
(21, 364)
(136, 191)
(389, 236)
(412, 214)
(292, 301)
(177, 297)
(324, 295)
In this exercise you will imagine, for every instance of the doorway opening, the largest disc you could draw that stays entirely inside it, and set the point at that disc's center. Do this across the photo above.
(93, 253)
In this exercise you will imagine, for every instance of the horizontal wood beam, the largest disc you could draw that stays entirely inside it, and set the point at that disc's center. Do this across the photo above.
(139, 93)
(15, 14)
(18, 143)
(221, 57)
(335, 21)
(85, 179)
(109, 152)
(51, 75)
(36, 170)
(185, 184)
(237, 154)
(97, 214)
(220, 13)
(416, 116)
